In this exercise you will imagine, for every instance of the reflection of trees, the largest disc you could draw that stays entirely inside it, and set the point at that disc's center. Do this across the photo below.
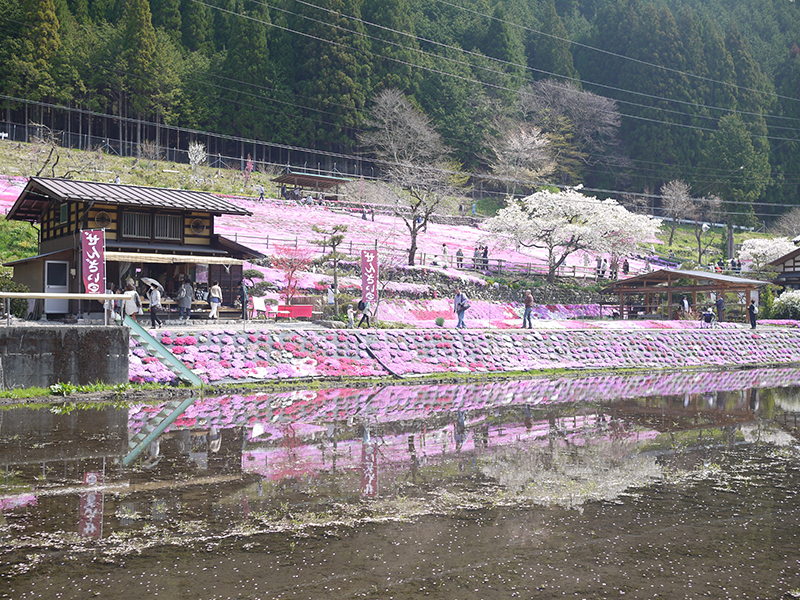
(570, 475)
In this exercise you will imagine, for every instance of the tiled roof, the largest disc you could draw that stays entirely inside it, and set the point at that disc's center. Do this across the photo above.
(40, 191)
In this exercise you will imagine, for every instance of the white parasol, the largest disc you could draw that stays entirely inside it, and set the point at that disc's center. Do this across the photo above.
(150, 281)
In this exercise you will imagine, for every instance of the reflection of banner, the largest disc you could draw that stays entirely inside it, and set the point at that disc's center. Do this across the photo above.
(93, 243)
(90, 508)
(369, 469)
(369, 275)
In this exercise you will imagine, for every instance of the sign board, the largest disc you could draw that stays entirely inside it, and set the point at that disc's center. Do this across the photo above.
(369, 276)
(93, 244)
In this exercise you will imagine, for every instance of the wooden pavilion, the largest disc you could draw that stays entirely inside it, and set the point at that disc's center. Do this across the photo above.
(643, 292)
(327, 185)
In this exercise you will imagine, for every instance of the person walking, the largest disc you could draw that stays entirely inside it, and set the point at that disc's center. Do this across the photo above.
(752, 311)
(185, 297)
(215, 298)
(260, 192)
(526, 317)
(363, 306)
(460, 306)
(154, 296)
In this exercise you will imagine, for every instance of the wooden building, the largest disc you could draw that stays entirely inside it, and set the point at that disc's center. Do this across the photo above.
(658, 293)
(788, 267)
(164, 234)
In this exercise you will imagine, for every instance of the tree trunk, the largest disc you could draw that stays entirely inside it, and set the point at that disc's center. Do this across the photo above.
(412, 251)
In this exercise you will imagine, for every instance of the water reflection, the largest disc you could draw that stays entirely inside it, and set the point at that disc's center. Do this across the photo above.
(150, 475)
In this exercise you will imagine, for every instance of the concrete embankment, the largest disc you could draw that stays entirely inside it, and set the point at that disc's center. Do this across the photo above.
(270, 354)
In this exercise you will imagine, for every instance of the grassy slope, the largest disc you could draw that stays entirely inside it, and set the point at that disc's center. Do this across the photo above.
(23, 160)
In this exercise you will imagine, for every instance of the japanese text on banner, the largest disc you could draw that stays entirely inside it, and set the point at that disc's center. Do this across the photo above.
(369, 275)
(93, 244)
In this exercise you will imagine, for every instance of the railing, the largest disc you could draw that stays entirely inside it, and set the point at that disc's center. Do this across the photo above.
(8, 296)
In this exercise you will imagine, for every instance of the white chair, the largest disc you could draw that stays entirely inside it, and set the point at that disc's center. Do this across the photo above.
(259, 306)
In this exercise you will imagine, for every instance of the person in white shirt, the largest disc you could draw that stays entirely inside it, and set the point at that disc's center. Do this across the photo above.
(215, 297)
(154, 295)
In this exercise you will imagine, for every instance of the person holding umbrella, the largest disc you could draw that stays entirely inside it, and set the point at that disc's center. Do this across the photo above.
(154, 295)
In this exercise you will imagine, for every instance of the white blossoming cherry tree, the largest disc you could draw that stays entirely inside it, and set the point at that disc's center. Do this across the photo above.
(759, 252)
(567, 221)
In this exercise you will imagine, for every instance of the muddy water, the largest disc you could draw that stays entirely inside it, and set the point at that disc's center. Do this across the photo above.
(639, 487)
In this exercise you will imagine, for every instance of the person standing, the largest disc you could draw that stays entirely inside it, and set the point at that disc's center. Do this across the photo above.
(460, 306)
(685, 305)
(185, 297)
(244, 297)
(154, 296)
(752, 311)
(215, 298)
(331, 296)
(526, 317)
(476, 258)
(444, 255)
(459, 259)
(132, 303)
(626, 266)
(486, 257)
(720, 304)
(350, 316)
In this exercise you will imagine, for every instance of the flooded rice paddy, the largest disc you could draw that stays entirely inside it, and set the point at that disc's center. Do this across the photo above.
(650, 486)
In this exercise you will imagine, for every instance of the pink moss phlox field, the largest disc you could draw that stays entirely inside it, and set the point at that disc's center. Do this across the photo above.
(260, 355)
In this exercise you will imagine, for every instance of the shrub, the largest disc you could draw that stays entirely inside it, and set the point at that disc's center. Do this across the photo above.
(252, 274)
(440, 321)
(766, 300)
(19, 306)
(787, 306)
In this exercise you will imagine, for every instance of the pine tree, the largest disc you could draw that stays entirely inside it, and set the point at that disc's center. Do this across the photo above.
(138, 60)
(740, 170)
(333, 72)
(394, 45)
(32, 55)
(247, 75)
(167, 15)
(551, 53)
(196, 30)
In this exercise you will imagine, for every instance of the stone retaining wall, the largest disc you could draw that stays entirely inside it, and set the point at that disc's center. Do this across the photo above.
(44, 356)
(271, 354)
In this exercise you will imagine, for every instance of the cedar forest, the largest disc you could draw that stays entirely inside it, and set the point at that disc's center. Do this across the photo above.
(628, 94)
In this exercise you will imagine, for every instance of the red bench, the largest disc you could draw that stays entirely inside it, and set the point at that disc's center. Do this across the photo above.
(293, 311)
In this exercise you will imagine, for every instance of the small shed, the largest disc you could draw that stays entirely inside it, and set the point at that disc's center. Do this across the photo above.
(678, 282)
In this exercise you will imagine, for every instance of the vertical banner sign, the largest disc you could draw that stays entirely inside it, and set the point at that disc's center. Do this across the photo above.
(369, 469)
(90, 507)
(369, 275)
(93, 244)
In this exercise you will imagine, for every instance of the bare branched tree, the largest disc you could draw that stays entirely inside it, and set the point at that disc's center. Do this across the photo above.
(676, 204)
(704, 212)
(589, 121)
(520, 156)
(788, 224)
(47, 154)
(413, 161)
